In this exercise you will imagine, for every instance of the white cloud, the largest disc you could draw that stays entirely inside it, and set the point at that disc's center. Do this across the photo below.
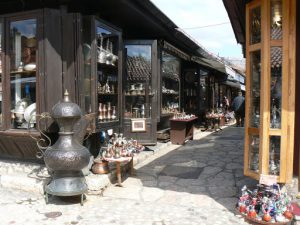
(199, 13)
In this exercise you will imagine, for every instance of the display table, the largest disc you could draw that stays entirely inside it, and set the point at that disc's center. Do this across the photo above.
(118, 162)
(181, 130)
(214, 122)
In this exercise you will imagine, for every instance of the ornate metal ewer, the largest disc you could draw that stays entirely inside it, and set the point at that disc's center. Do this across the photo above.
(67, 157)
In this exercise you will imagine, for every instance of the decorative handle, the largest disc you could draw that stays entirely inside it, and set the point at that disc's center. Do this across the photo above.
(40, 141)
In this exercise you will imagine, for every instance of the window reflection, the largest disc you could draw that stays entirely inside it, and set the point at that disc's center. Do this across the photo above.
(170, 83)
(22, 49)
(138, 86)
(254, 153)
(276, 87)
(276, 19)
(255, 26)
(274, 155)
(255, 66)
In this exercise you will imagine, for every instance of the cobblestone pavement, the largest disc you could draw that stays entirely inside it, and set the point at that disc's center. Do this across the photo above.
(197, 183)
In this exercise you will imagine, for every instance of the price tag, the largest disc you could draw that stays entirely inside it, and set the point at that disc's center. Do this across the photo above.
(267, 179)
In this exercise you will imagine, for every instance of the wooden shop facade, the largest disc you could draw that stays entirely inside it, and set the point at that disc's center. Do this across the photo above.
(123, 62)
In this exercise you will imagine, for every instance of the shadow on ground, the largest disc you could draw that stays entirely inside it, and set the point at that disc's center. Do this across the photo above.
(207, 170)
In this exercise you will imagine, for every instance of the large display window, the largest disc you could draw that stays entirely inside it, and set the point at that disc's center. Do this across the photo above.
(170, 75)
(22, 49)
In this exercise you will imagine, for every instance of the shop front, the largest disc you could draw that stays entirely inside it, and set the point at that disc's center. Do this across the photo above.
(126, 78)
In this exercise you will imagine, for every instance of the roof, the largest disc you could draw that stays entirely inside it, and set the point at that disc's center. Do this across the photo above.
(236, 13)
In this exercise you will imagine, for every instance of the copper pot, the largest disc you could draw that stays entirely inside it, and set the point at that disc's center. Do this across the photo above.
(100, 167)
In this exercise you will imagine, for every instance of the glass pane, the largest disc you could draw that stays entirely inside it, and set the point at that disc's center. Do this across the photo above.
(138, 81)
(255, 70)
(276, 19)
(254, 153)
(22, 49)
(276, 87)
(255, 26)
(107, 45)
(87, 66)
(1, 56)
(274, 155)
(170, 83)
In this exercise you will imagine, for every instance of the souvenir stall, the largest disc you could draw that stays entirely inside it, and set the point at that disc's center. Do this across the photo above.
(45, 52)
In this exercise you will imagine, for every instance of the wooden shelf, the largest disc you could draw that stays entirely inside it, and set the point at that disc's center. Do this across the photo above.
(109, 94)
(164, 93)
(107, 66)
(23, 72)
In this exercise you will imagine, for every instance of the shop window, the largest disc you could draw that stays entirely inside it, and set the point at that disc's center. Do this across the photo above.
(170, 84)
(22, 49)
(254, 153)
(276, 19)
(138, 81)
(255, 25)
(276, 87)
(274, 155)
(255, 74)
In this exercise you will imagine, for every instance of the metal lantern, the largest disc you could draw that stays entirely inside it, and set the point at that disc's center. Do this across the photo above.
(67, 157)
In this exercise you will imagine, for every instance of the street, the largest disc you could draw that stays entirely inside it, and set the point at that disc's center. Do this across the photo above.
(197, 183)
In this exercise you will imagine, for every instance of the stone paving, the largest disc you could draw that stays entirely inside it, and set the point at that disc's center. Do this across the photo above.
(197, 183)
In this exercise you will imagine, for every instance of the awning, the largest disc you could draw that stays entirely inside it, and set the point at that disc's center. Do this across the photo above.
(232, 84)
(212, 64)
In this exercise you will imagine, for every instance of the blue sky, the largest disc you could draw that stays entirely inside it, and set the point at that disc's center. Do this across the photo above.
(219, 40)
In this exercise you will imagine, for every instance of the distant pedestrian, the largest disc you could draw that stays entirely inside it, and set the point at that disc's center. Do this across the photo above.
(225, 104)
(238, 106)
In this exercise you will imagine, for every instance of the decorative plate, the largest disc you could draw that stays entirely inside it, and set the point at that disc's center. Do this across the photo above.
(30, 113)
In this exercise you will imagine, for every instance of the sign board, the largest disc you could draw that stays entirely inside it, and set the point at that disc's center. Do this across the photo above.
(267, 179)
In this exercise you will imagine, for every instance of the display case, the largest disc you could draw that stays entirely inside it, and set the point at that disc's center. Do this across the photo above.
(191, 91)
(269, 93)
(139, 91)
(108, 74)
(102, 68)
(23, 77)
(170, 79)
(29, 70)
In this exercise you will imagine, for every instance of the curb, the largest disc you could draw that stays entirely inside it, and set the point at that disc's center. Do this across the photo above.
(32, 177)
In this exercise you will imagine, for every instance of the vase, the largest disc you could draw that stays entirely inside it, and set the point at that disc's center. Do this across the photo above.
(100, 167)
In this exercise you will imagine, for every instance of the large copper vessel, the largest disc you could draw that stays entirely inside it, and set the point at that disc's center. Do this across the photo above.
(67, 157)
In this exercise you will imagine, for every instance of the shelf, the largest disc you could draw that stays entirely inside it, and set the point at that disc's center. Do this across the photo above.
(150, 95)
(134, 95)
(107, 66)
(109, 94)
(106, 124)
(187, 96)
(109, 36)
(170, 93)
(167, 114)
(23, 72)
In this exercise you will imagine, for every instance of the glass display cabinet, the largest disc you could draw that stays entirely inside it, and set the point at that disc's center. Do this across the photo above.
(23, 51)
(108, 79)
(191, 92)
(102, 79)
(270, 91)
(170, 79)
(139, 91)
